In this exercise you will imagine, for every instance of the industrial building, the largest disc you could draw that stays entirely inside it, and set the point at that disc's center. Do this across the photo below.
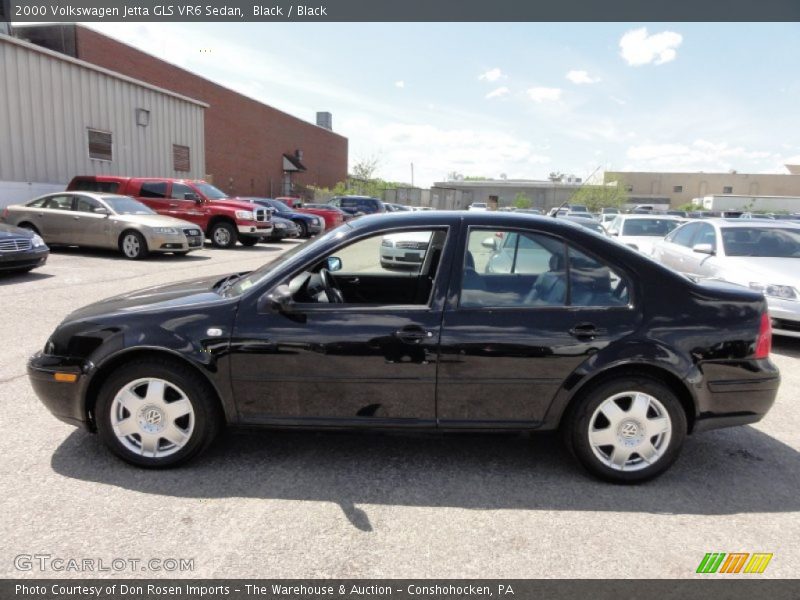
(62, 117)
(251, 149)
(677, 189)
(498, 193)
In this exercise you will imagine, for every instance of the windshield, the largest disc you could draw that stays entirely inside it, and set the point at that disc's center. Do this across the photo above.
(761, 241)
(281, 207)
(125, 205)
(648, 227)
(210, 192)
(255, 277)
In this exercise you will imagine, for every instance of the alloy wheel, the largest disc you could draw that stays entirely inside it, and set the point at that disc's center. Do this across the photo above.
(131, 246)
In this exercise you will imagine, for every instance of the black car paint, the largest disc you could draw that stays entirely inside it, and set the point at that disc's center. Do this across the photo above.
(357, 365)
(20, 260)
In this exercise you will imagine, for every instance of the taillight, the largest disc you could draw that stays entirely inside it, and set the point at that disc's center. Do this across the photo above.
(764, 340)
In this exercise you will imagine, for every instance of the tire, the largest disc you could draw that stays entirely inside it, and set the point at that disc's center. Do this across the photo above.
(133, 245)
(303, 229)
(648, 418)
(248, 241)
(223, 235)
(124, 396)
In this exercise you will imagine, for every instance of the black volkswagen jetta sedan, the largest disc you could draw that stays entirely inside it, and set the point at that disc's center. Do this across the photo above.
(509, 322)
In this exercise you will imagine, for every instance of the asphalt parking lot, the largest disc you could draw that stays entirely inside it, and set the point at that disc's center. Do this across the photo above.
(285, 504)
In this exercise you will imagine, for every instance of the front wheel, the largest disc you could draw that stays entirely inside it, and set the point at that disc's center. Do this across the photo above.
(627, 430)
(155, 414)
(303, 229)
(223, 235)
(133, 245)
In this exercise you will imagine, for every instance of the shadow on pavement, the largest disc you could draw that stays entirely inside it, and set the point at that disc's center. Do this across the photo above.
(115, 255)
(786, 346)
(10, 278)
(738, 470)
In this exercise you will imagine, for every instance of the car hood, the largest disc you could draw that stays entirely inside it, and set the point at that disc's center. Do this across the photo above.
(155, 221)
(744, 269)
(157, 297)
(235, 203)
(9, 231)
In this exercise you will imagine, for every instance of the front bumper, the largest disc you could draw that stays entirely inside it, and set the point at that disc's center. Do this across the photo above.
(256, 229)
(401, 257)
(736, 393)
(64, 399)
(785, 316)
(27, 259)
(174, 243)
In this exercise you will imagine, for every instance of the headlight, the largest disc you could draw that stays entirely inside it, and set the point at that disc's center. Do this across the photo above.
(280, 225)
(786, 292)
(245, 215)
(316, 221)
(37, 241)
(166, 230)
(387, 243)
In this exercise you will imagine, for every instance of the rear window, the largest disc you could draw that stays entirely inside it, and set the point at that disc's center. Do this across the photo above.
(648, 227)
(91, 185)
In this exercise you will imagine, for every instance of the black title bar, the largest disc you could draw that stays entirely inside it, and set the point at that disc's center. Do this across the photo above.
(404, 10)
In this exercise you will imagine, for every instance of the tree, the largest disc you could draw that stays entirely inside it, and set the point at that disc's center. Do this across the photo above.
(522, 201)
(595, 197)
(365, 168)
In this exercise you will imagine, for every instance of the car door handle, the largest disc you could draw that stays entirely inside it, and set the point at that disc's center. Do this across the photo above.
(76, 218)
(586, 331)
(173, 204)
(412, 334)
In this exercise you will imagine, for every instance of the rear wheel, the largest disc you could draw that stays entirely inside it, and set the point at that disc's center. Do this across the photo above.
(248, 241)
(133, 245)
(156, 414)
(627, 430)
(223, 235)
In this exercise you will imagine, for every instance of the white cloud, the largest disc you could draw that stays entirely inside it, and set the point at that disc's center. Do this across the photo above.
(544, 94)
(581, 77)
(638, 48)
(700, 155)
(400, 84)
(498, 92)
(492, 75)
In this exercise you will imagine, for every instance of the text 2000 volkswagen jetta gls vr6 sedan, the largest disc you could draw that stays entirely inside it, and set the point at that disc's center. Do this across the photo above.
(575, 332)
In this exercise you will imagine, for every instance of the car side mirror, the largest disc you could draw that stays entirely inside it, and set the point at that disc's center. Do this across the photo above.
(614, 233)
(333, 263)
(102, 210)
(704, 249)
(278, 300)
(490, 243)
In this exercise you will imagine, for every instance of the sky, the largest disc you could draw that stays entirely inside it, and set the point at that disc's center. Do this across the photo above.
(519, 100)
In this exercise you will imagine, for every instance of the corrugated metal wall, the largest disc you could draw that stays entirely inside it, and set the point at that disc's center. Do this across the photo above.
(47, 104)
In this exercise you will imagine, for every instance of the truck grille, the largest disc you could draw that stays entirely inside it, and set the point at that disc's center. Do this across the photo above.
(261, 214)
(18, 245)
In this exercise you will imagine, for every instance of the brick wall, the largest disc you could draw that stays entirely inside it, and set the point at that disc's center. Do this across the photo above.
(245, 140)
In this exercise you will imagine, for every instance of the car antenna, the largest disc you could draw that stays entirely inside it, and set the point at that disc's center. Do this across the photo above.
(565, 202)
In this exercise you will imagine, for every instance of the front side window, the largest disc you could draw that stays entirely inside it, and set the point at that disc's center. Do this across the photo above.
(86, 205)
(684, 235)
(180, 190)
(706, 235)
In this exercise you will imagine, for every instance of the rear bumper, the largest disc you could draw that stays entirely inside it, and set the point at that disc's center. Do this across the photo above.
(736, 393)
(62, 399)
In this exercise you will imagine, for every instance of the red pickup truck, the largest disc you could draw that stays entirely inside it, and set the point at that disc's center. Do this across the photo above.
(333, 216)
(224, 220)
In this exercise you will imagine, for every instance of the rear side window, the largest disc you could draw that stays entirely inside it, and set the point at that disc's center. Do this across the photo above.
(59, 202)
(153, 189)
(593, 283)
(90, 185)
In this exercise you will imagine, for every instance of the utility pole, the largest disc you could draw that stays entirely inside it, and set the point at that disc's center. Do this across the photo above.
(412, 174)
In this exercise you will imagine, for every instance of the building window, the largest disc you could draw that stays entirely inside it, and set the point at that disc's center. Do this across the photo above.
(727, 189)
(100, 145)
(180, 158)
(678, 189)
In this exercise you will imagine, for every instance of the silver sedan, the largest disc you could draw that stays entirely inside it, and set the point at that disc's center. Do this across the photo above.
(104, 221)
(760, 254)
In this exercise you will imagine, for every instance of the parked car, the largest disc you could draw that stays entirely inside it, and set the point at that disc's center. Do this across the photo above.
(404, 250)
(104, 221)
(641, 231)
(282, 229)
(592, 224)
(21, 249)
(762, 255)
(752, 215)
(478, 206)
(358, 205)
(308, 223)
(332, 216)
(609, 210)
(677, 213)
(581, 214)
(224, 220)
(392, 207)
(621, 354)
